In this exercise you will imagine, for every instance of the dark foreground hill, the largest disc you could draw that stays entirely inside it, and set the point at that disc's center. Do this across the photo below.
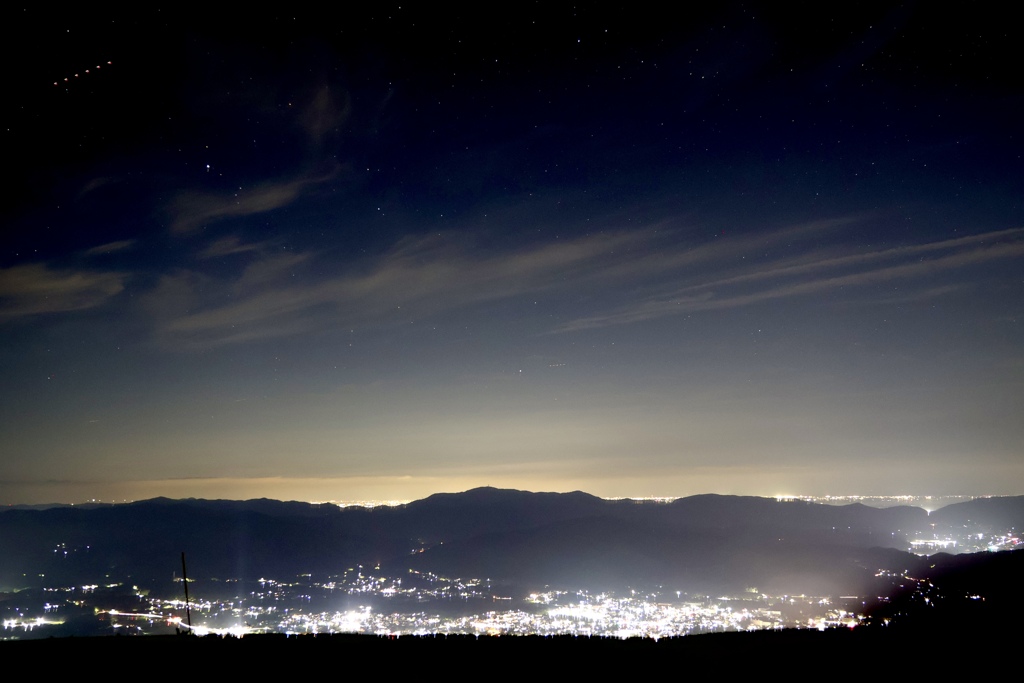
(860, 652)
(702, 543)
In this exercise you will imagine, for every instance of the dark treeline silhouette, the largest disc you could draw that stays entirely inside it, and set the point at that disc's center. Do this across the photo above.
(789, 652)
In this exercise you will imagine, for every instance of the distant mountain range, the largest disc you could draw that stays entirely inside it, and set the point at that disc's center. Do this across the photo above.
(706, 543)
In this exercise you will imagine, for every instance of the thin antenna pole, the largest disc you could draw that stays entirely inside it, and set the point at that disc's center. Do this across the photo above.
(184, 578)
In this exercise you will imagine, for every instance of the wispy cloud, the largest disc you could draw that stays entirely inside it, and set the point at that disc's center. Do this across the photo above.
(192, 210)
(278, 293)
(649, 274)
(812, 263)
(327, 111)
(110, 247)
(35, 288)
(815, 276)
(229, 246)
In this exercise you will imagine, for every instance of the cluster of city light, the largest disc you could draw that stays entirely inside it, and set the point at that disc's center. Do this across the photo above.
(929, 503)
(576, 613)
(601, 615)
(966, 541)
(29, 624)
(999, 542)
(297, 607)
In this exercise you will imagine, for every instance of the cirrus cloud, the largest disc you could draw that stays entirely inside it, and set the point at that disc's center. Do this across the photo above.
(35, 288)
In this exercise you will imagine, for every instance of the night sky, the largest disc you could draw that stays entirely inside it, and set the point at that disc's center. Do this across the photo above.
(385, 252)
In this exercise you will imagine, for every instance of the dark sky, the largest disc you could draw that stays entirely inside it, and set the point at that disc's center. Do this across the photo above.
(381, 253)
